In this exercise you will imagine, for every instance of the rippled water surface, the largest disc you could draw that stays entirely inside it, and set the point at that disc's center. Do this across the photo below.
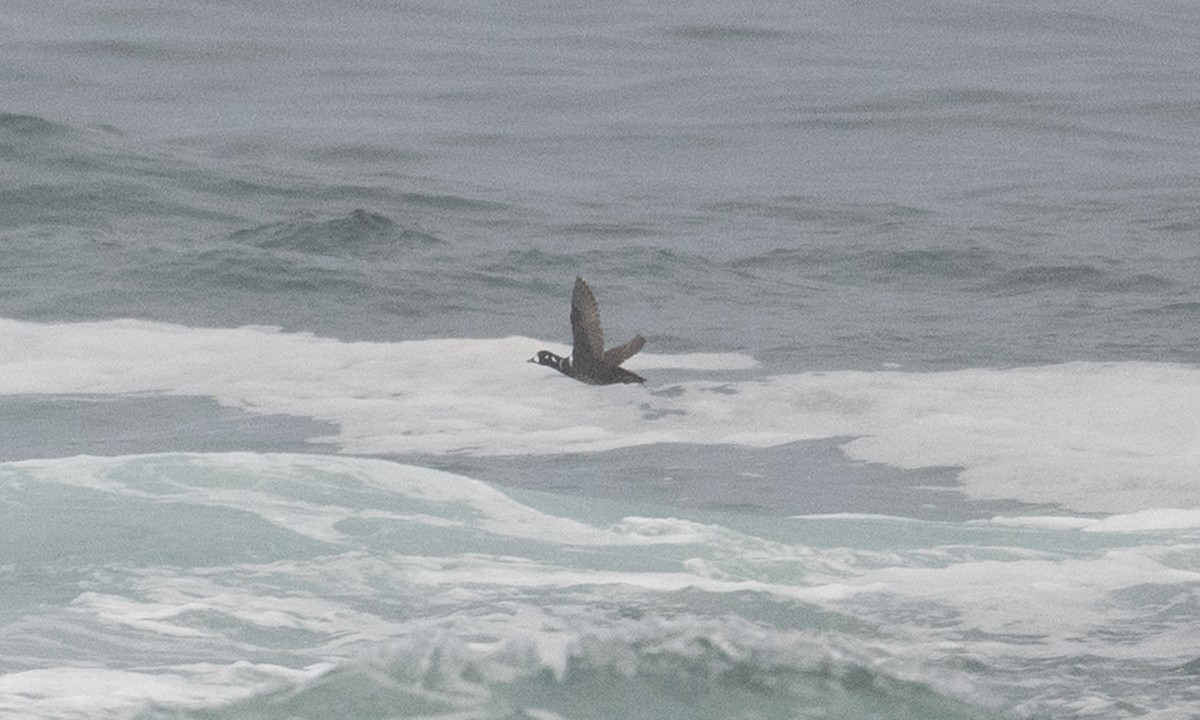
(919, 289)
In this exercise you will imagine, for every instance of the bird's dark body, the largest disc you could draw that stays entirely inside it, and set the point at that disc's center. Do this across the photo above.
(589, 361)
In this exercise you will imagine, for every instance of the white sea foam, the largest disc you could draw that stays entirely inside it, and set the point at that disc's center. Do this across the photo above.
(1051, 604)
(1049, 522)
(411, 555)
(233, 480)
(694, 361)
(1150, 520)
(1092, 437)
(238, 481)
(87, 692)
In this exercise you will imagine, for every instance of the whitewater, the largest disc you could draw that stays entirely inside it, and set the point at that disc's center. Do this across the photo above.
(1100, 437)
(919, 287)
(440, 594)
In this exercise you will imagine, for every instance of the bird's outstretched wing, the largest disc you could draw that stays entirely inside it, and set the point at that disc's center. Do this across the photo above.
(585, 327)
(621, 353)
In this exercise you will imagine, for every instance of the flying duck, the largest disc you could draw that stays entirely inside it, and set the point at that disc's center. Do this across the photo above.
(589, 361)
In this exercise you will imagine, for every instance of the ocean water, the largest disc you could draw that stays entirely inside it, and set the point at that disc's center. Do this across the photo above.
(920, 285)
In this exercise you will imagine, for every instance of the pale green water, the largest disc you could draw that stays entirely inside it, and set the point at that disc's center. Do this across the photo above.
(250, 585)
(919, 291)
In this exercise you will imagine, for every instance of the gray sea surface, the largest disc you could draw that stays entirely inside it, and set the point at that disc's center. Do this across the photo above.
(920, 285)
(934, 185)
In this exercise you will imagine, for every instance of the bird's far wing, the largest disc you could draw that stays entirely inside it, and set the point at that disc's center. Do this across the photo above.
(585, 326)
(621, 353)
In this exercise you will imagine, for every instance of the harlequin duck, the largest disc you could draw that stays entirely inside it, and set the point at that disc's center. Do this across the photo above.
(589, 361)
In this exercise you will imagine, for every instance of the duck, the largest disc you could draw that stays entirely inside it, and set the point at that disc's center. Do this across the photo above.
(590, 362)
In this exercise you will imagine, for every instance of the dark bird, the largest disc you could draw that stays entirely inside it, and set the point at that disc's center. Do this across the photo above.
(589, 361)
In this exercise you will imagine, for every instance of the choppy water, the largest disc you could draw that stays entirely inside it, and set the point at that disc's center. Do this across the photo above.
(919, 286)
